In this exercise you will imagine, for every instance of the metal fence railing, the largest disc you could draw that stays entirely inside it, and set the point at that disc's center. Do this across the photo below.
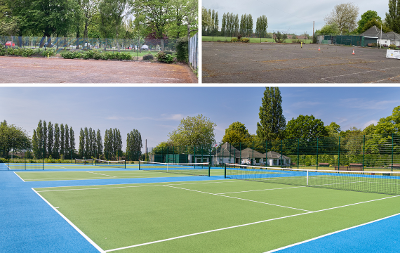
(72, 43)
(366, 152)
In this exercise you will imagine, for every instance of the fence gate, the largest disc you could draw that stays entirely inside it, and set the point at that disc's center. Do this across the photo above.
(193, 53)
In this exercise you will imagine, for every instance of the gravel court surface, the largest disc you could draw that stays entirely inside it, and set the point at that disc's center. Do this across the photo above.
(59, 70)
(289, 63)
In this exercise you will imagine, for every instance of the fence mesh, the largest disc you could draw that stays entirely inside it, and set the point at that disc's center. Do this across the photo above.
(369, 152)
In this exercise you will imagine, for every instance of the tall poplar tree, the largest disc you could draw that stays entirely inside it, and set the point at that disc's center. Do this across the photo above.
(272, 122)
(44, 138)
(99, 144)
(72, 139)
(133, 145)
(393, 17)
(62, 141)
(87, 143)
(81, 143)
(39, 135)
(50, 139)
(56, 148)
(66, 145)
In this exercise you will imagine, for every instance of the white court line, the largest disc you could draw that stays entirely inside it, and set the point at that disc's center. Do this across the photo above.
(72, 224)
(99, 174)
(271, 189)
(375, 70)
(19, 177)
(243, 225)
(250, 200)
(313, 239)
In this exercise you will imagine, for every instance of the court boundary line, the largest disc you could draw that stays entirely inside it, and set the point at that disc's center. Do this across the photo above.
(19, 177)
(325, 235)
(231, 197)
(246, 224)
(72, 224)
(357, 73)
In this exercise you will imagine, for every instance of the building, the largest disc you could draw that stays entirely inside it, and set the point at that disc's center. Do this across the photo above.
(226, 153)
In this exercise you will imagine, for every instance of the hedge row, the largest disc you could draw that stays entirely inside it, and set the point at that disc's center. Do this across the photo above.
(96, 55)
(26, 52)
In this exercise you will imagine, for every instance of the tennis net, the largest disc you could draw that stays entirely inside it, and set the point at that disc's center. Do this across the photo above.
(196, 169)
(84, 161)
(385, 182)
(111, 164)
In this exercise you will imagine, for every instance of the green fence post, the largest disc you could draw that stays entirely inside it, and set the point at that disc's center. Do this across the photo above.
(139, 164)
(338, 166)
(364, 154)
(317, 154)
(392, 151)
(209, 169)
(224, 170)
(281, 155)
(298, 153)
(266, 153)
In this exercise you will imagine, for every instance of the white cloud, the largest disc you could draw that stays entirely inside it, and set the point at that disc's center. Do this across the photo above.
(370, 122)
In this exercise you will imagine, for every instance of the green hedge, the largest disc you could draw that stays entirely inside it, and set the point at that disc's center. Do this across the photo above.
(92, 54)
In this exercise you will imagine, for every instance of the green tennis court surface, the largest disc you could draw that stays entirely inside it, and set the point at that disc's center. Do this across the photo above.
(212, 216)
(101, 174)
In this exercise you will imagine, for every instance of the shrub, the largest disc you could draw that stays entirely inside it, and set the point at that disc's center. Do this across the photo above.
(10, 51)
(28, 52)
(245, 40)
(148, 57)
(163, 57)
(234, 40)
(124, 56)
(2, 50)
(182, 49)
(88, 55)
(48, 52)
(67, 55)
(392, 46)
(97, 55)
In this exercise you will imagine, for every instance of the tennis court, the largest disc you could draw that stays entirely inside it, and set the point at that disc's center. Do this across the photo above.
(151, 210)
(58, 70)
(289, 63)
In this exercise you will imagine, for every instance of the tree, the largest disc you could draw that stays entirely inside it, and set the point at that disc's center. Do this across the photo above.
(272, 122)
(369, 130)
(44, 138)
(194, 131)
(62, 141)
(237, 133)
(156, 14)
(45, 17)
(133, 145)
(12, 138)
(89, 8)
(365, 18)
(111, 15)
(329, 29)
(333, 129)
(86, 135)
(72, 139)
(50, 139)
(388, 125)
(305, 127)
(99, 144)
(39, 145)
(393, 17)
(81, 150)
(67, 141)
(8, 23)
(261, 26)
(206, 19)
(56, 148)
(345, 16)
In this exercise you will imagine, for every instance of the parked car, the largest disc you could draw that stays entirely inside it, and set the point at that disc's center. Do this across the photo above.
(10, 44)
(145, 47)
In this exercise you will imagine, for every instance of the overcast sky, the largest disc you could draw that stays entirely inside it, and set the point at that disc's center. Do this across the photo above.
(292, 16)
(155, 112)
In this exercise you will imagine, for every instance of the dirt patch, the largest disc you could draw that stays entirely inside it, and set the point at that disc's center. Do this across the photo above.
(58, 70)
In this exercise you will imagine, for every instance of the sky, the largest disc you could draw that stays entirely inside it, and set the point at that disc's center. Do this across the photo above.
(292, 16)
(157, 111)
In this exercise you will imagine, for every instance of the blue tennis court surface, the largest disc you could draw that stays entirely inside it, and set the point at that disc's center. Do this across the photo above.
(29, 224)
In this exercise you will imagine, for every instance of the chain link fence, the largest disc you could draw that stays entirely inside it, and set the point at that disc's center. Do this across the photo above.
(357, 153)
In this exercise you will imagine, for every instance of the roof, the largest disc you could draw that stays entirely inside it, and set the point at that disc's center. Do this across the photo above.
(375, 32)
(227, 150)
